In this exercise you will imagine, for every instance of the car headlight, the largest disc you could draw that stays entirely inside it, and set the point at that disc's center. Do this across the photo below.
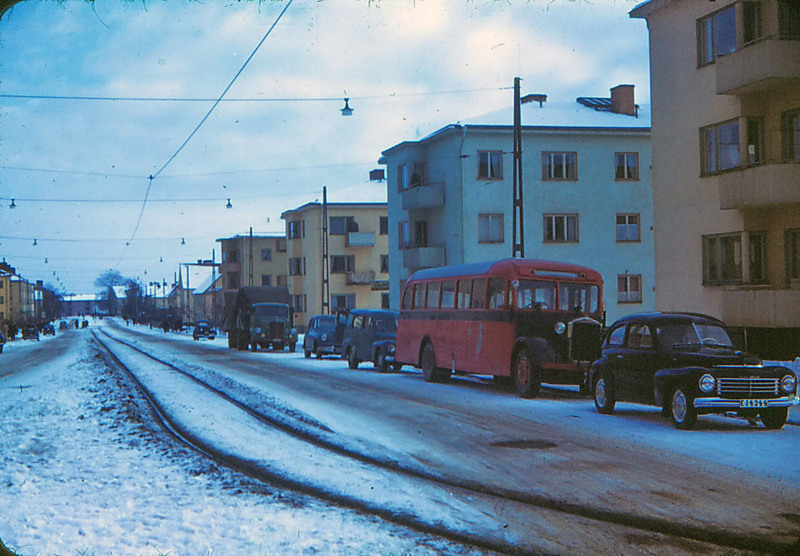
(788, 384)
(560, 328)
(324, 337)
(707, 383)
(258, 331)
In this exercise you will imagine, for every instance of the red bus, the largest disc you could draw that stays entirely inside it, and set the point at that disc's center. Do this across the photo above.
(524, 321)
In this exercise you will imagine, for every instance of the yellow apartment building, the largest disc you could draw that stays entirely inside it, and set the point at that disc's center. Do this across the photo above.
(725, 96)
(357, 257)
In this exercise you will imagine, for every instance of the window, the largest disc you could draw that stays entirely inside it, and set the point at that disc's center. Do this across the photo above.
(281, 245)
(716, 35)
(343, 263)
(559, 166)
(232, 280)
(464, 294)
(383, 225)
(419, 296)
(432, 302)
(617, 336)
(384, 264)
(341, 225)
(790, 130)
(402, 177)
(792, 240)
(720, 147)
(639, 336)
(266, 254)
(626, 166)
(490, 228)
(411, 175)
(751, 22)
(384, 301)
(404, 235)
(266, 279)
(478, 293)
(421, 233)
(490, 165)
(297, 266)
(281, 280)
(754, 130)
(231, 256)
(343, 301)
(418, 177)
(496, 293)
(294, 230)
(734, 258)
(448, 294)
(788, 19)
(629, 288)
(561, 228)
(299, 303)
(628, 228)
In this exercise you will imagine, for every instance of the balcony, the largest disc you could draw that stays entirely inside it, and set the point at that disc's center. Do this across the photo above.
(360, 278)
(423, 257)
(227, 267)
(360, 239)
(761, 307)
(759, 67)
(423, 196)
(760, 186)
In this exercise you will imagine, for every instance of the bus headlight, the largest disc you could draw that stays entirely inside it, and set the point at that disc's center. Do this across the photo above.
(560, 328)
(707, 383)
(788, 384)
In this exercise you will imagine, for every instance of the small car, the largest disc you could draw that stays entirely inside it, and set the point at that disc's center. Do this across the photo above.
(203, 329)
(2, 340)
(686, 364)
(320, 336)
(370, 335)
(48, 330)
(63, 325)
(30, 333)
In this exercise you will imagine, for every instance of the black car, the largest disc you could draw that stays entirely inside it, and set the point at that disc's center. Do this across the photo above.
(49, 330)
(2, 341)
(370, 336)
(30, 333)
(320, 337)
(203, 329)
(686, 364)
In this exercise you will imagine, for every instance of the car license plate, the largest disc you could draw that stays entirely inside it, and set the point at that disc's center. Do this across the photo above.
(753, 403)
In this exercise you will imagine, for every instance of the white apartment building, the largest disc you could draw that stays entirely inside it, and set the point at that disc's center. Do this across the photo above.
(587, 194)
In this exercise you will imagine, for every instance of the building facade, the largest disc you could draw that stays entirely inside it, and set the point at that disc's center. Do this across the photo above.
(587, 194)
(725, 82)
(253, 260)
(358, 257)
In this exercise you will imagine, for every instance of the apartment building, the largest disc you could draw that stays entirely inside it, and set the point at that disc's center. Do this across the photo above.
(253, 260)
(357, 257)
(725, 87)
(587, 193)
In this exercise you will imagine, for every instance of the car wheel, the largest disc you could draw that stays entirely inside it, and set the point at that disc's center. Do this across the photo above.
(396, 366)
(774, 418)
(526, 375)
(352, 361)
(292, 347)
(684, 414)
(254, 346)
(380, 362)
(277, 346)
(306, 353)
(317, 352)
(605, 398)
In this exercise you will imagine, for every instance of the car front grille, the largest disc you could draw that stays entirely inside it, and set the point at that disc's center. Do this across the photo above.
(747, 387)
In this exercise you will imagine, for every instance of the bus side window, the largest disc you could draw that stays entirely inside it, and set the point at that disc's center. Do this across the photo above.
(433, 296)
(497, 293)
(408, 296)
(448, 294)
(478, 293)
(464, 291)
(419, 296)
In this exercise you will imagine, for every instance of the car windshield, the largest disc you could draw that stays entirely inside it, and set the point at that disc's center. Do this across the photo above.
(693, 334)
(389, 325)
(272, 311)
(326, 323)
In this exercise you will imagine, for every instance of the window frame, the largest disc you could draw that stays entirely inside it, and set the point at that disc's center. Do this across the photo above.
(708, 27)
(627, 225)
(566, 217)
(548, 166)
(489, 218)
(490, 165)
(792, 255)
(629, 295)
(624, 167)
(705, 148)
(342, 264)
(790, 135)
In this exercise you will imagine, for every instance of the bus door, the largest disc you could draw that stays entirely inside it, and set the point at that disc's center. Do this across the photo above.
(498, 330)
(466, 333)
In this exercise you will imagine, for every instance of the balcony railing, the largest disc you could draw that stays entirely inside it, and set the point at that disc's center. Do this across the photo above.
(760, 186)
(423, 196)
(761, 307)
(360, 239)
(358, 278)
(760, 66)
(415, 258)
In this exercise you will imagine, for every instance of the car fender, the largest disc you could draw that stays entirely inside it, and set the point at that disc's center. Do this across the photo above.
(382, 346)
(666, 379)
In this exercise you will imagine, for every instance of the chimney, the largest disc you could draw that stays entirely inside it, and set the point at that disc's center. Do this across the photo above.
(622, 100)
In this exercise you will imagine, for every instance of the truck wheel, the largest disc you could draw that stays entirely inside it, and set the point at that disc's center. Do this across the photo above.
(684, 415)
(352, 360)
(773, 418)
(526, 374)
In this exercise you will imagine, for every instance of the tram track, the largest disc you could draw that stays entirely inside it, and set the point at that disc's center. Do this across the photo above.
(635, 524)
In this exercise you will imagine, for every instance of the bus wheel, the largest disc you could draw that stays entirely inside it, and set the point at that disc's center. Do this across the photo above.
(526, 377)
(428, 363)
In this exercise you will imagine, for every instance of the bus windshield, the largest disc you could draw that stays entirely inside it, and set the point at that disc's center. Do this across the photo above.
(535, 294)
(579, 297)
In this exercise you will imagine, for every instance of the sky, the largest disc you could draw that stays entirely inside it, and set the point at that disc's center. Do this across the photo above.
(117, 156)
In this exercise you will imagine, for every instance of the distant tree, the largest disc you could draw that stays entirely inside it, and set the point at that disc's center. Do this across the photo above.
(109, 279)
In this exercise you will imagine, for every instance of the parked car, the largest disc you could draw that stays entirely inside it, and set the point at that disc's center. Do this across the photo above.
(63, 325)
(369, 335)
(203, 329)
(49, 330)
(320, 335)
(30, 333)
(2, 340)
(686, 364)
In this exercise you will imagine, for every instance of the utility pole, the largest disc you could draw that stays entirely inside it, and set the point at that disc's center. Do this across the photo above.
(518, 233)
(326, 286)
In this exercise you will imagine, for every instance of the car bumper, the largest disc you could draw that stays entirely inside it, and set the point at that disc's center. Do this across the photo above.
(723, 403)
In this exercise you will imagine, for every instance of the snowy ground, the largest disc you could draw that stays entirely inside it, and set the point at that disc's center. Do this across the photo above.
(78, 476)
